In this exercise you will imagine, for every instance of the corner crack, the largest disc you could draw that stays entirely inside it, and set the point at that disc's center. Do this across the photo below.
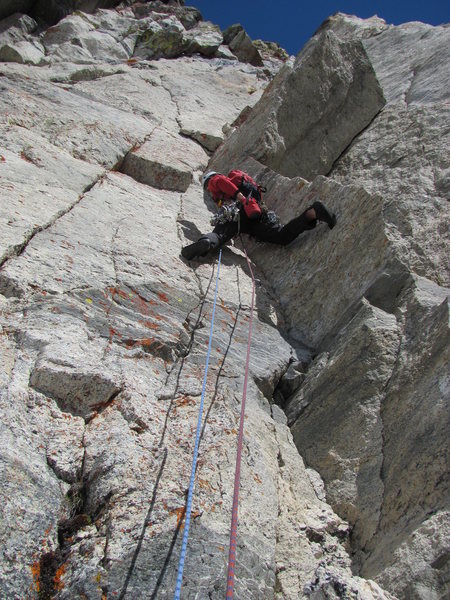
(349, 145)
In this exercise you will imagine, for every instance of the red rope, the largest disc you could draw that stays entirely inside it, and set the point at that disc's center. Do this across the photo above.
(237, 474)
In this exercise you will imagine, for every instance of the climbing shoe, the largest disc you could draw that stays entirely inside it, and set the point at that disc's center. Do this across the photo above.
(199, 248)
(323, 214)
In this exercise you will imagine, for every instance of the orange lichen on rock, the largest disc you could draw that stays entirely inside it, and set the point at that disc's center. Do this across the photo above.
(36, 572)
(57, 579)
(149, 325)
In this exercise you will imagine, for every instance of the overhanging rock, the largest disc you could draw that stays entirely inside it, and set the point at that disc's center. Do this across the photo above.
(10, 7)
(311, 112)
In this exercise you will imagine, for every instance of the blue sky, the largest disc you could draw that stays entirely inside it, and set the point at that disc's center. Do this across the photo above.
(292, 22)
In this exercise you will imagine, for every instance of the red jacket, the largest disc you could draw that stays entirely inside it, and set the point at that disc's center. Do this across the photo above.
(222, 188)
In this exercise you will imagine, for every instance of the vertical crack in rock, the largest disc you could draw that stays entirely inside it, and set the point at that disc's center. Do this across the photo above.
(219, 372)
(180, 361)
(52, 564)
(116, 286)
(180, 218)
(382, 448)
(145, 524)
(279, 397)
(279, 567)
(271, 383)
(200, 138)
(178, 368)
(264, 282)
(166, 85)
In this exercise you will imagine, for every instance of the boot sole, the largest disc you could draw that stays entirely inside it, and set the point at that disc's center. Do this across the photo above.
(196, 249)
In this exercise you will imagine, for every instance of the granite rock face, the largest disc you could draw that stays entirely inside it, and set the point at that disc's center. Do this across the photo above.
(104, 327)
(371, 296)
(409, 166)
(332, 90)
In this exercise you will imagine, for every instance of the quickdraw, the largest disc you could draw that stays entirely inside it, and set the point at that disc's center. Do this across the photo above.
(227, 213)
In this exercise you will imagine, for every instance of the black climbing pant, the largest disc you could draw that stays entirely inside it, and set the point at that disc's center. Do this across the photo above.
(260, 230)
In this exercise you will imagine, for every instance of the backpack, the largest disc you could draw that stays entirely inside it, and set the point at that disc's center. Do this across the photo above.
(251, 190)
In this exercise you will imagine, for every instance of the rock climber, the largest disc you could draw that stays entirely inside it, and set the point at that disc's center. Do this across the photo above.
(241, 210)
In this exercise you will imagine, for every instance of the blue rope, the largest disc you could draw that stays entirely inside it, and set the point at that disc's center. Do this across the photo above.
(194, 460)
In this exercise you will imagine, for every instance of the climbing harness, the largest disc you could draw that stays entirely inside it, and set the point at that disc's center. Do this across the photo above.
(230, 212)
(197, 442)
(237, 474)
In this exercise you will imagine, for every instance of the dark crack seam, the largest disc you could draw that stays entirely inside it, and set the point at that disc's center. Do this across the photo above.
(173, 98)
(166, 86)
(383, 438)
(354, 138)
(178, 528)
(19, 249)
(179, 525)
(144, 527)
(52, 560)
(113, 294)
(183, 358)
(219, 373)
(181, 238)
(222, 364)
(161, 470)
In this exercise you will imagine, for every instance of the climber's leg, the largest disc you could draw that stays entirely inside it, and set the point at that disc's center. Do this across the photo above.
(221, 234)
(284, 235)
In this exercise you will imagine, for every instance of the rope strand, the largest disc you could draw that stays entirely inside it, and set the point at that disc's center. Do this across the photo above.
(237, 475)
(197, 442)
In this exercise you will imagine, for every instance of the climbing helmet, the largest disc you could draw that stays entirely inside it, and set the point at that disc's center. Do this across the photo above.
(208, 176)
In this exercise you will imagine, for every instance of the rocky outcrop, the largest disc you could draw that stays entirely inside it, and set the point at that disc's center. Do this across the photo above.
(16, 42)
(361, 415)
(104, 328)
(133, 32)
(347, 96)
(241, 45)
(409, 168)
